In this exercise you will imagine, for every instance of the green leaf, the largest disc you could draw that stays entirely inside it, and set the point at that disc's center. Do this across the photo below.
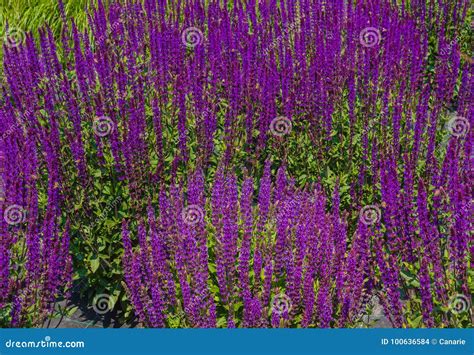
(71, 311)
(94, 264)
(415, 323)
(221, 322)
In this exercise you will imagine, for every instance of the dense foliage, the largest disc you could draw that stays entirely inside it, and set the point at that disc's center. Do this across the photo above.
(30, 15)
(242, 164)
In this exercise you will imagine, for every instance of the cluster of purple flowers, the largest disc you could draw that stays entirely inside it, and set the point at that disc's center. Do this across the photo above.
(240, 258)
(35, 265)
(156, 90)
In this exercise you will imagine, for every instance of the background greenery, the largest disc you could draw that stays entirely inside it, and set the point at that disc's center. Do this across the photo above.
(29, 15)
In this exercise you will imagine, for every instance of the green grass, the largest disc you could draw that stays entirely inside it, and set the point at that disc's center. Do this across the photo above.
(24, 16)
(29, 15)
